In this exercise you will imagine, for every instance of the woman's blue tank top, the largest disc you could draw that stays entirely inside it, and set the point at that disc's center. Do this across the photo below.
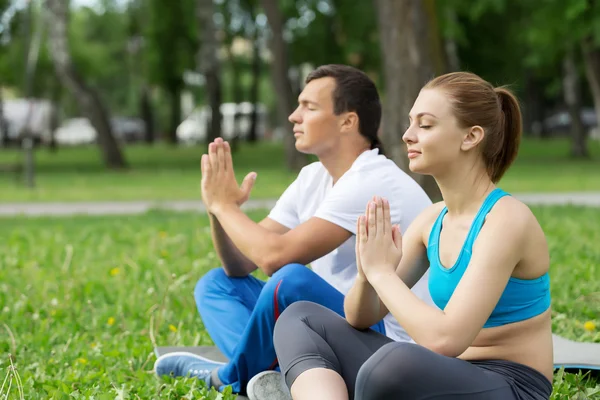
(522, 298)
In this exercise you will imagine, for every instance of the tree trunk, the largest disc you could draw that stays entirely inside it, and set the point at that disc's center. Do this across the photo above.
(208, 64)
(572, 96)
(533, 109)
(238, 97)
(253, 134)
(281, 82)
(91, 105)
(175, 97)
(407, 65)
(591, 59)
(147, 114)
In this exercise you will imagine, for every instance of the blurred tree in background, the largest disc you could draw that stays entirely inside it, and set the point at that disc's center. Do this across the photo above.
(164, 62)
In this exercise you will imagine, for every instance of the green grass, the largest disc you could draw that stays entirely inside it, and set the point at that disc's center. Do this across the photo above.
(84, 299)
(173, 173)
(545, 166)
(157, 173)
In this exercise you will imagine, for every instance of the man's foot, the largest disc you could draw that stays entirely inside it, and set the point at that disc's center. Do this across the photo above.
(186, 365)
(268, 385)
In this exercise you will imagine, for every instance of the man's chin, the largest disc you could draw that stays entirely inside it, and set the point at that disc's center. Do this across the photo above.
(301, 147)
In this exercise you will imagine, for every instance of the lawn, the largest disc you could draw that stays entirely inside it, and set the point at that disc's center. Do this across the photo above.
(84, 299)
(173, 173)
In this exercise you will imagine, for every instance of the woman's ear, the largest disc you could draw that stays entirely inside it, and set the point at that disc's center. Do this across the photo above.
(473, 138)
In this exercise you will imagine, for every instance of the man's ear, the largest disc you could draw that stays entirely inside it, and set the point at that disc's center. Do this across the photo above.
(473, 138)
(349, 122)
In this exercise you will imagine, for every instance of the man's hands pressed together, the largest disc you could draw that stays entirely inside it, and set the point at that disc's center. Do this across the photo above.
(219, 186)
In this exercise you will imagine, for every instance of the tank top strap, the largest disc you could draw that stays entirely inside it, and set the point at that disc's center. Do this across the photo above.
(485, 208)
(434, 235)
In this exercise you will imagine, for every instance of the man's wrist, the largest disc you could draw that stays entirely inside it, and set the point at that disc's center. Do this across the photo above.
(221, 208)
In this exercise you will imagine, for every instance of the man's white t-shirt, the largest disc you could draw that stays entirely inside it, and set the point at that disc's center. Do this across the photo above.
(313, 194)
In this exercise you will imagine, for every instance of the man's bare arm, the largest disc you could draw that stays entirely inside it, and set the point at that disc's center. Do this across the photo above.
(269, 250)
(234, 262)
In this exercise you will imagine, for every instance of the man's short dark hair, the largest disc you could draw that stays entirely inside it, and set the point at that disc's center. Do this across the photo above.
(356, 92)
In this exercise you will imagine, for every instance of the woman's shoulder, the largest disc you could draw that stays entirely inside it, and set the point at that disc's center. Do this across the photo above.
(510, 217)
(514, 212)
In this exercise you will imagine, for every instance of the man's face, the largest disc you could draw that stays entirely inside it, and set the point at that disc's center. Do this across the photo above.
(316, 127)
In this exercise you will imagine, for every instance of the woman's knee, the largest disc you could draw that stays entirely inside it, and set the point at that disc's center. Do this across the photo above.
(306, 313)
(396, 369)
(288, 321)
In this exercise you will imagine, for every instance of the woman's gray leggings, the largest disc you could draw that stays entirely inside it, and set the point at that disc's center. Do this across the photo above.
(308, 335)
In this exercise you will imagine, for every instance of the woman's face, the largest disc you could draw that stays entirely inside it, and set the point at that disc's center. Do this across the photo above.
(434, 139)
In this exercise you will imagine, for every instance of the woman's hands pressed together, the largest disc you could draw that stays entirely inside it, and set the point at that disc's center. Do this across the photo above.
(378, 242)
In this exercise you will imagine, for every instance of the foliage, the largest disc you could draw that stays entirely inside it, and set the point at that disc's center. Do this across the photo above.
(172, 40)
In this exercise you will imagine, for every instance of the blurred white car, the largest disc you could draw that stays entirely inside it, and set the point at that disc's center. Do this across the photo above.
(75, 132)
(193, 128)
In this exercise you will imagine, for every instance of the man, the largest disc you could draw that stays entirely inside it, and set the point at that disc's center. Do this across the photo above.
(313, 222)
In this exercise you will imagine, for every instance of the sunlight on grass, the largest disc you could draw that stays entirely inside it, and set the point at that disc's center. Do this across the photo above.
(87, 298)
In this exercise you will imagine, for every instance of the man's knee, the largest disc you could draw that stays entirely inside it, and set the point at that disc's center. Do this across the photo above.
(392, 370)
(288, 281)
(210, 282)
(295, 270)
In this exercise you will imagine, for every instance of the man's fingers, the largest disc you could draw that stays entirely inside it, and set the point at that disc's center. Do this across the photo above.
(248, 184)
(212, 155)
(206, 167)
(221, 155)
(228, 159)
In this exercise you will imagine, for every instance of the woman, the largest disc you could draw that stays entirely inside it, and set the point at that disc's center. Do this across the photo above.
(490, 335)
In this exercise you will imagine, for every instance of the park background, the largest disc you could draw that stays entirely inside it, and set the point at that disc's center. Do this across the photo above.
(106, 107)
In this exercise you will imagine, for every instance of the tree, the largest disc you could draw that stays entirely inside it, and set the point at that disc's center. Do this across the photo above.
(208, 63)
(281, 82)
(555, 34)
(571, 90)
(256, 71)
(14, 49)
(406, 37)
(3, 124)
(137, 14)
(171, 50)
(87, 98)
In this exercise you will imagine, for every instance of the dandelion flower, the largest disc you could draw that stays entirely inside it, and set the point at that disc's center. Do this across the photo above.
(589, 326)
